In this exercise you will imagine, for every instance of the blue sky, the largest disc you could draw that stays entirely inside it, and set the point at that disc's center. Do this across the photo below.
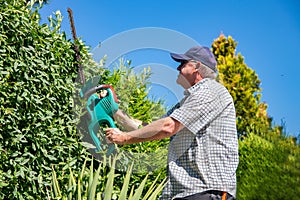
(267, 33)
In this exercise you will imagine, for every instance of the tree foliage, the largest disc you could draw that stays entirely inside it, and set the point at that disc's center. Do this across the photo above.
(269, 161)
(132, 89)
(243, 84)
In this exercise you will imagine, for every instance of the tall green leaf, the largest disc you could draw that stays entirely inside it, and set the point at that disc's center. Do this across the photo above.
(92, 187)
(139, 190)
(123, 193)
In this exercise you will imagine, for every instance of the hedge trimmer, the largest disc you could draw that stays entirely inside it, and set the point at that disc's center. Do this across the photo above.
(101, 104)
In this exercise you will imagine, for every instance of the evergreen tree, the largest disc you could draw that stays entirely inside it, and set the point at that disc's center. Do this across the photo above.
(244, 86)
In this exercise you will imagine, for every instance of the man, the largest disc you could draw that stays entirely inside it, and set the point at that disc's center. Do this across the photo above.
(203, 151)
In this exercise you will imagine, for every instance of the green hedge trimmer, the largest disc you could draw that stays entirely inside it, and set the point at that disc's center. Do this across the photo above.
(101, 105)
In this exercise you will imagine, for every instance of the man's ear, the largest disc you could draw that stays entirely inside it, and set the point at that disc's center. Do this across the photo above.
(198, 66)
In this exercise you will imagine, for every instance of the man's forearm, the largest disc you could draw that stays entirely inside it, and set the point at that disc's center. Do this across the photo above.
(126, 121)
(162, 128)
(157, 130)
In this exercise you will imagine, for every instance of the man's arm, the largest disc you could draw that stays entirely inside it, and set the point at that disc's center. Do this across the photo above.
(126, 121)
(162, 128)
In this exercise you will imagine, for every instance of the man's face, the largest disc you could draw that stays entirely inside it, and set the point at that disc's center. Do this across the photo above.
(187, 74)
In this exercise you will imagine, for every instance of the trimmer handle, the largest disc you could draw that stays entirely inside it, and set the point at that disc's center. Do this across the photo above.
(99, 87)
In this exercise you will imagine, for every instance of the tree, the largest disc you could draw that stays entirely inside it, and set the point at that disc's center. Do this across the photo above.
(268, 167)
(244, 86)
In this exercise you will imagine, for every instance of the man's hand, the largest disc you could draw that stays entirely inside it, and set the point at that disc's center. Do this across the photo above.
(116, 136)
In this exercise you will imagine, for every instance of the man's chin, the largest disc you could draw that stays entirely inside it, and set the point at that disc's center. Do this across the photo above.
(178, 81)
(182, 83)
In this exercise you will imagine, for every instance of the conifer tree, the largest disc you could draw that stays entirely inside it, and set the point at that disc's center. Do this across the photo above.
(244, 86)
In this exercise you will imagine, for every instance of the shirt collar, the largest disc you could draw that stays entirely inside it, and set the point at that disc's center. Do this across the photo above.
(195, 87)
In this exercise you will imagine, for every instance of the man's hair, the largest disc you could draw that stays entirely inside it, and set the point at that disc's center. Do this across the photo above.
(205, 71)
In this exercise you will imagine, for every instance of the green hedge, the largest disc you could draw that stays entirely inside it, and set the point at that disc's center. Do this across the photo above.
(37, 123)
(36, 86)
(269, 168)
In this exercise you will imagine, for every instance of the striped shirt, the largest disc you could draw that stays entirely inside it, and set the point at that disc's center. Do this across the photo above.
(203, 155)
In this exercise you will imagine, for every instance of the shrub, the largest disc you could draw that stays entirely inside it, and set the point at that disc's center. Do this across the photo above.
(269, 168)
(37, 123)
(36, 87)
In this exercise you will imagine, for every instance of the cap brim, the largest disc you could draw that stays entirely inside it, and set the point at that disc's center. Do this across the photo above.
(179, 57)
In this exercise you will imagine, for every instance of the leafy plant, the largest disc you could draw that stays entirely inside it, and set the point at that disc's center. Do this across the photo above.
(88, 184)
(37, 118)
(36, 112)
(132, 90)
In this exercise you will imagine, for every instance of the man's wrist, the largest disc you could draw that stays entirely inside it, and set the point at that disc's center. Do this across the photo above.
(127, 138)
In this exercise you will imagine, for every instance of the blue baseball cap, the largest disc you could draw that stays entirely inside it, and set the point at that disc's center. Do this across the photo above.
(198, 53)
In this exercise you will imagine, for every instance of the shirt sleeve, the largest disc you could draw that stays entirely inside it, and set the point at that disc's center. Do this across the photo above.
(198, 110)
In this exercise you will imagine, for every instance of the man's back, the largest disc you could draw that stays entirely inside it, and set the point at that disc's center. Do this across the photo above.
(204, 155)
